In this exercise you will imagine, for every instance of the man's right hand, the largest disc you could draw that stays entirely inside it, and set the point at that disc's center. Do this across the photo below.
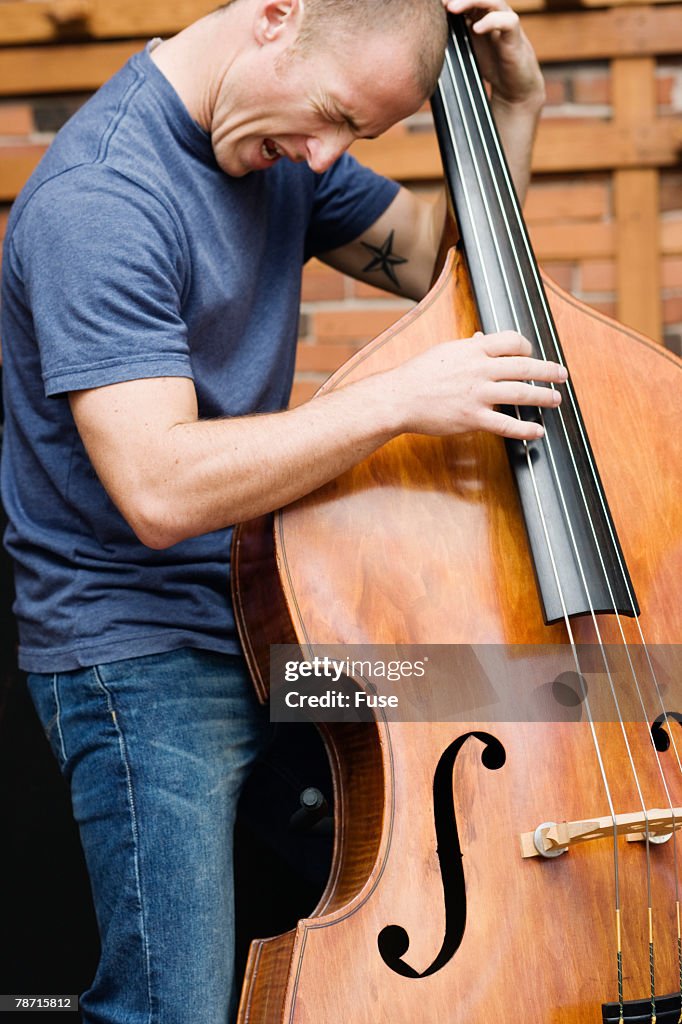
(174, 476)
(454, 387)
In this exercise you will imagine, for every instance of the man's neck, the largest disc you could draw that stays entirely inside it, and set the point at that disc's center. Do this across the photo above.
(196, 60)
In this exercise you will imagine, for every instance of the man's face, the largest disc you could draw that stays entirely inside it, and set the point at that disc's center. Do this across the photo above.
(311, 106)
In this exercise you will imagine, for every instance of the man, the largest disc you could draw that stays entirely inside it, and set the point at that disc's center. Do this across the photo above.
(150, 304)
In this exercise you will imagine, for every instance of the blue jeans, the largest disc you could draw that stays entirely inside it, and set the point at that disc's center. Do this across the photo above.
(156, 750)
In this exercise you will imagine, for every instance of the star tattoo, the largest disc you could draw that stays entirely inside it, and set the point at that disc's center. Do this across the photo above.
(384, 259)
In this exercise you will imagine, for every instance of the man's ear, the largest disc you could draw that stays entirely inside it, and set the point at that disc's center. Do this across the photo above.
(277, 21)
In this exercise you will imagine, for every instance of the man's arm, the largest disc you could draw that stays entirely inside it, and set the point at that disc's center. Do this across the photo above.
(398, 252)
(173, 476)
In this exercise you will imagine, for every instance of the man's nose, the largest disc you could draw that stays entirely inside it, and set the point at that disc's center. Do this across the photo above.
(322, 152)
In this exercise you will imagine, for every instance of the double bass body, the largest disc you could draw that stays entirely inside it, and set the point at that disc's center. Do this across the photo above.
(424, 543)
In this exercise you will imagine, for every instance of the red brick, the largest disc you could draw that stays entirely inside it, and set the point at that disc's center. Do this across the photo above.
(344, 325)
(321, 282)
(592, 88)
(555, 92)
(671, 272)
(597, 276)
(16, 119)
(561, 272)
(319, 358)
(665, 85)
(672, 310)
(671, 191)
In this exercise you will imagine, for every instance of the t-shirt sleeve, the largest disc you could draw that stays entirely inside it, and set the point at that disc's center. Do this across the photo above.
(348, 199)
(104, 273)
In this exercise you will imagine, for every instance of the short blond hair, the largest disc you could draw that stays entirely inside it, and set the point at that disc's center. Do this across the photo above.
(423, 21)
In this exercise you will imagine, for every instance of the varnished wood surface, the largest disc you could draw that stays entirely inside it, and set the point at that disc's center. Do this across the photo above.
(540, 936)
(466, 482)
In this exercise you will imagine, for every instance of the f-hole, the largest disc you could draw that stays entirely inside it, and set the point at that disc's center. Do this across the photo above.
(393, 941)
(658, 733)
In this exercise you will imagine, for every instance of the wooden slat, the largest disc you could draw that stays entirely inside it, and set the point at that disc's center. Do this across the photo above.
(562, 146)
(557, 37)
(636, 203)
(566, 202)
(546, 204)
(16, 164)
(524, 6)
(54, 20)
(596, 145)
(27, 70)
(637, 252)
(573, 241)
(595, 35)
(43, 22)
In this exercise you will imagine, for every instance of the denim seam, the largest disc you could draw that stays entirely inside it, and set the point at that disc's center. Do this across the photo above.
(134, 829)
(58, 717)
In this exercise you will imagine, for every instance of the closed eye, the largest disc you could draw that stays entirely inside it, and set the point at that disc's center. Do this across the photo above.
(339, 117)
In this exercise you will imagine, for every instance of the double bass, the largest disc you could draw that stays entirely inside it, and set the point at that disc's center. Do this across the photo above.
(491, 869)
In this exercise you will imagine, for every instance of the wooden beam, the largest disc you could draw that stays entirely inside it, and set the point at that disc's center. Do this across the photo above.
(636, 203)
(49, 21)
(565, 202)
(525, 6)
(588, 35)
(595, 35)
(29, 70)
(16, 165)
(573, 241)
(565, 146)
(638, 258)
(562, 146)
(59, 20)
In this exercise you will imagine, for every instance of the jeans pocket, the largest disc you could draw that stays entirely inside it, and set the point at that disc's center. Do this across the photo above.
(44, 691)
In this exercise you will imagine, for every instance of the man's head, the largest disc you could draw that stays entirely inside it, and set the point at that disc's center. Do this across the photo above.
(308, 77)
(423, 21)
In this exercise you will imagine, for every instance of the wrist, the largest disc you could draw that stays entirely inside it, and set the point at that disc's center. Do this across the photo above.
(529, 105)
(371, 405)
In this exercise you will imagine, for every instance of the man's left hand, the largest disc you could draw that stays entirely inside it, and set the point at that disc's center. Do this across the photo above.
(505, 56)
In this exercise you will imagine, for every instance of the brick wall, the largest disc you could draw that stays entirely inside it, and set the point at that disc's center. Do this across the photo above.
(571, 218)
(580, 91)
(338, 315)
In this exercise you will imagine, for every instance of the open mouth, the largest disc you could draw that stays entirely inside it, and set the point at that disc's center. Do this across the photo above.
(271, 150)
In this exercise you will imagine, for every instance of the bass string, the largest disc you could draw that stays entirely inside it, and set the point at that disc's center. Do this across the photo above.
(552, 461)
(652, 672)
(634, 675)
(498, 326)
(595, 739)
(474, 78)
(477, 83)
(549, 325)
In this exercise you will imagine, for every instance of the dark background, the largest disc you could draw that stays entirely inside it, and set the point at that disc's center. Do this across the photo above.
(48, 933)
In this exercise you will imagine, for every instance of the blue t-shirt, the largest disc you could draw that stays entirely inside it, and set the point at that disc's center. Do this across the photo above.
(130, 254)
